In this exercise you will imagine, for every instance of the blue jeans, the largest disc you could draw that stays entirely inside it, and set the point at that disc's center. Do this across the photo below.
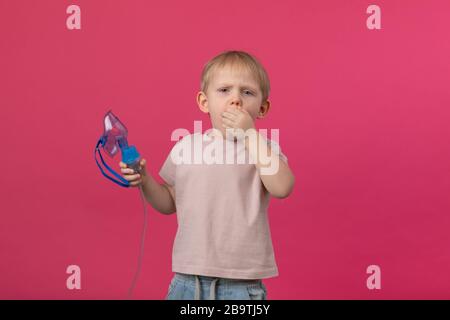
(192, 287)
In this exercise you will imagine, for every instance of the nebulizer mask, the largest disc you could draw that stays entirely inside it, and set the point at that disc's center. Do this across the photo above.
(113, 139)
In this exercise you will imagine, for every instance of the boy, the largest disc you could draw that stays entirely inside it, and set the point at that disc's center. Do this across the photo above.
(223, 246)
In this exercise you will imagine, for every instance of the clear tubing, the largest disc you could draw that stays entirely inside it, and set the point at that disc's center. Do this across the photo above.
(141, 250)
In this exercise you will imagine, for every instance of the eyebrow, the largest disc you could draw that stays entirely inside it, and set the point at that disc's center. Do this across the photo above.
(244, 86)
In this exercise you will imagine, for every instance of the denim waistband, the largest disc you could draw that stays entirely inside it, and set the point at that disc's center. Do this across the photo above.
(211, 282)
(207, 279)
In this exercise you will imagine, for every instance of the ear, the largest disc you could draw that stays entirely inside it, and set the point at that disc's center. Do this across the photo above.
(264, 109)
(202, 102)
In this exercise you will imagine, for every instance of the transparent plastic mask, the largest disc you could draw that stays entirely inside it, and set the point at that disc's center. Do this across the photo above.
(114, 135)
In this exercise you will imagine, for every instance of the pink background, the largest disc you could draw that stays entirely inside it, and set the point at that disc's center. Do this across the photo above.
(363, 118)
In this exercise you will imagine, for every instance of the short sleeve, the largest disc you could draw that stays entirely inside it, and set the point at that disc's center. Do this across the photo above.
(168, 170)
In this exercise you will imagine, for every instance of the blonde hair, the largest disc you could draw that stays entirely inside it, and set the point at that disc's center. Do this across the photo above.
(240, 59)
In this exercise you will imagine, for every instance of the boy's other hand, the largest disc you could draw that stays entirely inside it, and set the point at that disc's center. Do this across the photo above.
(237, 119)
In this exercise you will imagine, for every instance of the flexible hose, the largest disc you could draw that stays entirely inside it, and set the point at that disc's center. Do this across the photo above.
(141, 250)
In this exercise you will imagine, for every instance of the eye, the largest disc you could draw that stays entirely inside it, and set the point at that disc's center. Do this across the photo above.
(248, 92)
(223, 90)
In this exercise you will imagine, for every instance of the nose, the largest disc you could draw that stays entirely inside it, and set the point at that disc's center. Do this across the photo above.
(236, 101)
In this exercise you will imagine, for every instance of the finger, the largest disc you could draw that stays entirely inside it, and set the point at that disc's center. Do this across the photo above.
(132, 177)
(122, 165)
(227, 121)
(135, 183)
(127, 171)
(228, 115)
(233, 111)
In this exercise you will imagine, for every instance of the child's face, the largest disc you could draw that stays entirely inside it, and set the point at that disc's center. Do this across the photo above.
(232, 88)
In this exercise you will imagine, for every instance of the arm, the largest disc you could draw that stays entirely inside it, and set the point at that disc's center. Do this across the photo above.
(279, 181)
(160, 196)
(274, 172)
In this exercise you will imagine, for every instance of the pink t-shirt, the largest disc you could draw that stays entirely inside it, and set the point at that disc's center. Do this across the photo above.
(223, 228)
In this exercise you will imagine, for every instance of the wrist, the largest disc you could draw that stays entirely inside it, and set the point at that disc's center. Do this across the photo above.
(144, 180)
